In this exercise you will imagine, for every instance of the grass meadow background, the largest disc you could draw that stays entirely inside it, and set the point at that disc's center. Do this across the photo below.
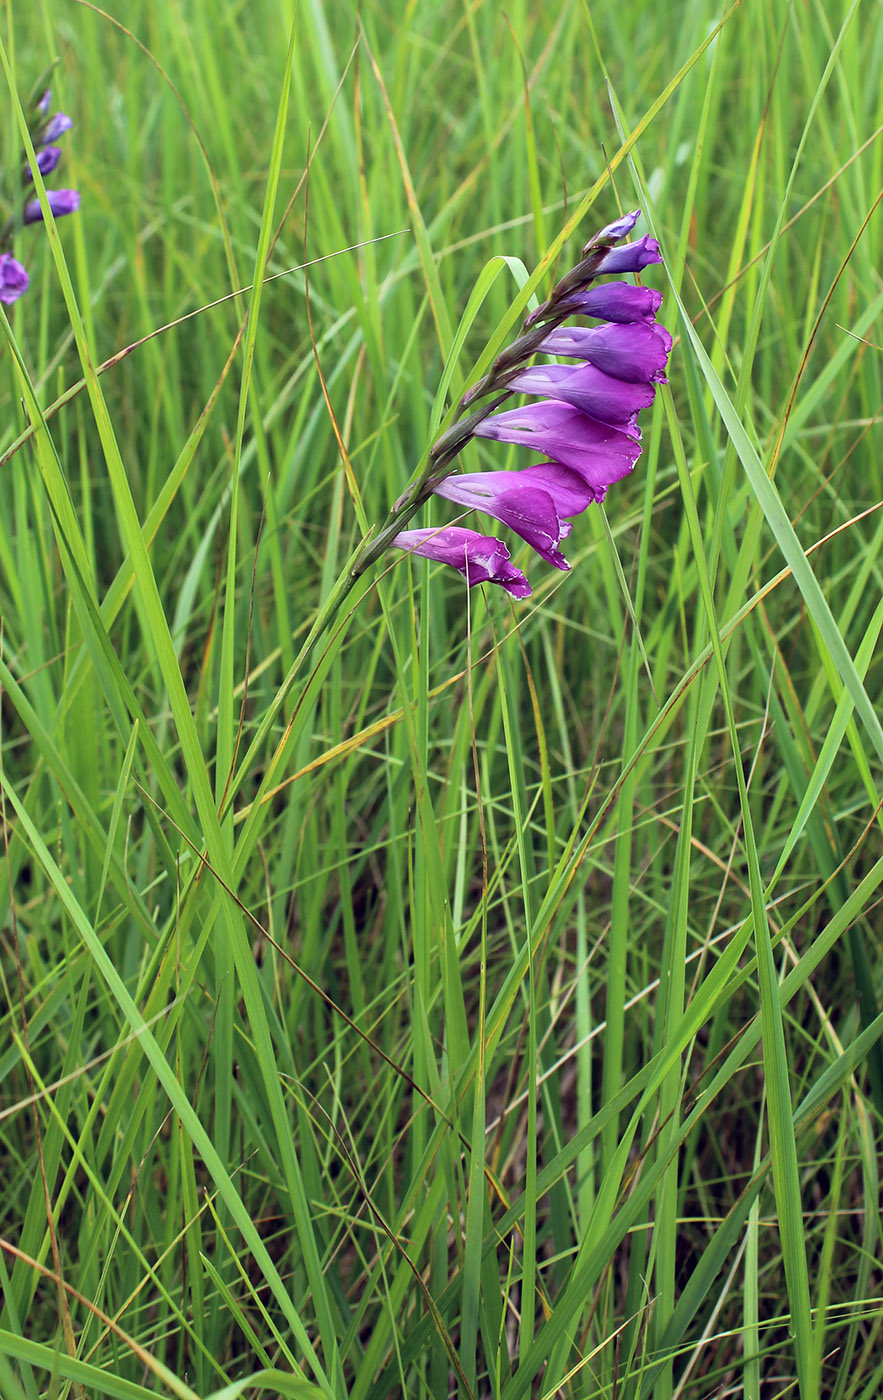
(464, 997)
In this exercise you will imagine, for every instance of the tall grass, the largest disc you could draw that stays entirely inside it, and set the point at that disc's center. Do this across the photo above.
(408, 993)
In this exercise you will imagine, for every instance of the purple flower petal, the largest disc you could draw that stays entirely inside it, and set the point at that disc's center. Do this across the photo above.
(613, 232)
(60, 202)
(44, 103)
(531, 503)
(588, 389)
(13, 279)
(631, 257)
(616, 301)
(47, 160)
(55, 127)
(570, 491)
(600, 453)
(636, 353)
(479, 558)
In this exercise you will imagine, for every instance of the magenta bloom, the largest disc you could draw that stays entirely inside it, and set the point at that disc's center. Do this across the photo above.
(631, 257)
(599, 452)
(616, 301)
(13, 279)
(588, 389)
(533, 502)
(60, 202)
(479, 558)
(637, 353)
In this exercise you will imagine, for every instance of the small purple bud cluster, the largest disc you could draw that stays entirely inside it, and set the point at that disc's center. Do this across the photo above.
(585, 423)
(45, 131)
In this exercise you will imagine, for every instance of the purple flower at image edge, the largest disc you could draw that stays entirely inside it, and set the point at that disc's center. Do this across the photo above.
(60, 202)
(13, 279)
(479, 558)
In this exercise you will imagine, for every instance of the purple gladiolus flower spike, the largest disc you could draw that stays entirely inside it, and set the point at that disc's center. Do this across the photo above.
(55, 127)
(637, 353)
(616, 301)
(532, 502)
(599, 452)
(585, 422)
(588, 389)
(479, 558)
(631, 257)
(13, 279)
(60, 202)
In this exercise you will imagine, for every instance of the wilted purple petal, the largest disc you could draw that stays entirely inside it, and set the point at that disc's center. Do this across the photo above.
(530, 503)
(55, 127)
(615, 301)
(613, 232)
(588, 389)
(636, 353)
(60, 202)
(47, 160)
(599, 452)
(13, 279)
(479, 558)
(631, 257)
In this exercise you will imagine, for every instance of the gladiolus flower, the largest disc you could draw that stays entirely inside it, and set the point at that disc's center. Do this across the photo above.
(479, 558)
(630, 257)
(47, 160)
(600, 453)
(13, 279)
(615, 301)
(533, 502)
(55, 127)
(60, 202)
(612, 233)
(588, 389)
(637, 353)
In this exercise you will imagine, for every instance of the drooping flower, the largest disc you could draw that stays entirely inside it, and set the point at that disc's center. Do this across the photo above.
(479, 558)
(60, 202)
(599, 452)
(13, 279)
(533, 502)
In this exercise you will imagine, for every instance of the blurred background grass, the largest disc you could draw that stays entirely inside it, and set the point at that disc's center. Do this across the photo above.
(596, 1111)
